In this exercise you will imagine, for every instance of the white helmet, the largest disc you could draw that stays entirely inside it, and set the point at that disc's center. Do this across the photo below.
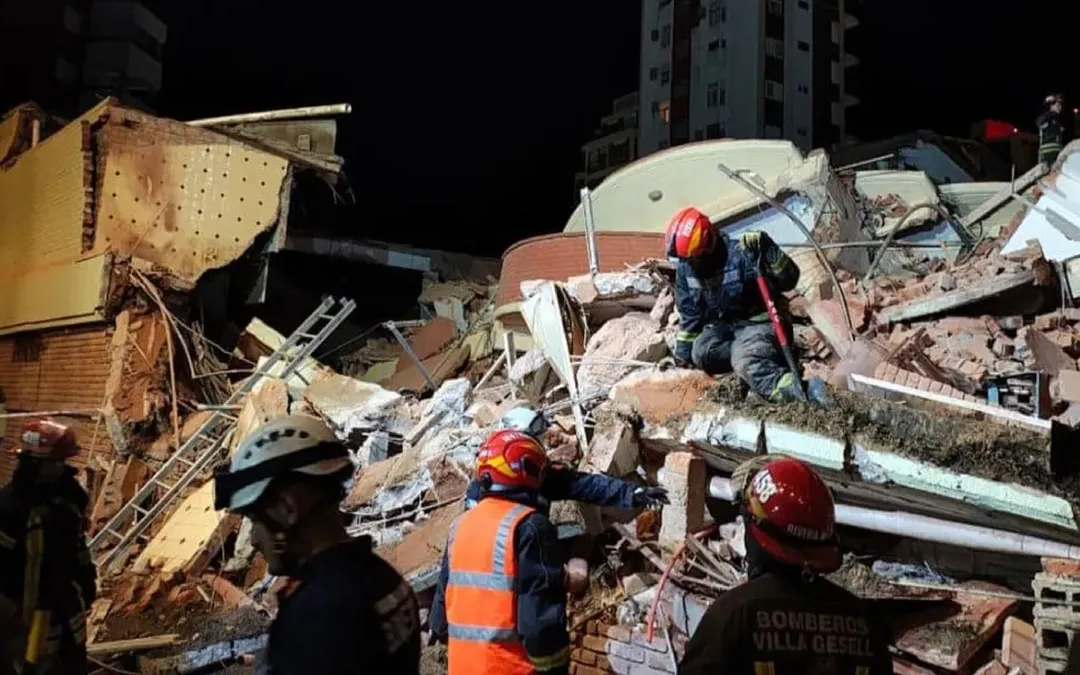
(288, 444)
(525, 419)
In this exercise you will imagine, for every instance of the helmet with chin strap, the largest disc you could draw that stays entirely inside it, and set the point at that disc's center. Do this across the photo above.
(292, 444)
(511, 460)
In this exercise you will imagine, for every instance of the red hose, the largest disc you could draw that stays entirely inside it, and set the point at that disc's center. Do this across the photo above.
(651, 616)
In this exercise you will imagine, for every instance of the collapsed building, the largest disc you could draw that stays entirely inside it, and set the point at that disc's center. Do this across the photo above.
(942, 316)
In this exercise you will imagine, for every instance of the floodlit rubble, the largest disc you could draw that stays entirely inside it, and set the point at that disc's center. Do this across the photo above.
(950, 343)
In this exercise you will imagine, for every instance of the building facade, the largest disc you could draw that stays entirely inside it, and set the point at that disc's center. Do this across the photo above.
(745, 69)
(613, 145)
(66, 55)
(123, 54)
(41, 52)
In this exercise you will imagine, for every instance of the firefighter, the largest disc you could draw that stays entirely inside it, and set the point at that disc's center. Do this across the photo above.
(1051, 130)
(723, 323)
(563, 483)
(787, 619)
(505, 599)
(348, 611)
(47, 579)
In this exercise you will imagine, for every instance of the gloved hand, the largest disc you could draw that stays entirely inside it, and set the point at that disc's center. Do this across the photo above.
(651, 498)
(751, 241)
(817, 391)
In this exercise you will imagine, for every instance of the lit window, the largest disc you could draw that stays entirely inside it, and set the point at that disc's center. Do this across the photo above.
(665, 111)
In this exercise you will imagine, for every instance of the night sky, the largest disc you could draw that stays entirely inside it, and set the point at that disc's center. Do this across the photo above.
(468, 117)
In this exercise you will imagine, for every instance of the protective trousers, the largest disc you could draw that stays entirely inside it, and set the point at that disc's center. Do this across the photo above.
(752, 352)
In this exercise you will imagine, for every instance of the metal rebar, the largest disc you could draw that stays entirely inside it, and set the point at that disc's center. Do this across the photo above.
(392, 327)
(590, 231)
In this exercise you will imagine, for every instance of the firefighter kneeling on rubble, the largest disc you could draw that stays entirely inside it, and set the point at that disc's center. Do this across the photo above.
(723, 321)
(562, 483)
(505, 599)
(349, 612)
(47, 580)
(787, 619)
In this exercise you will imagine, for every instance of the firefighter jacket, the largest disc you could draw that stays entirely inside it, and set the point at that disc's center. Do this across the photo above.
(43, 540)
(781, 625)
(1051, 136)
(727, 292)
(346, 612)
(564, 484)
(501, 601)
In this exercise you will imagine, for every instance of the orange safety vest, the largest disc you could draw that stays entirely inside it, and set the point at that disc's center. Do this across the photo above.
(481, 596)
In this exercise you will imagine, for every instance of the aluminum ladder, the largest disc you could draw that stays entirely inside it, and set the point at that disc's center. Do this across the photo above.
(208, 442)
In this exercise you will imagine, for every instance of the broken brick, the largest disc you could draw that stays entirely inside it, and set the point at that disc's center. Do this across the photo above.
(960, 324)
(1045, 322)
(1062, 567)
(1018, 646)
(1068, 386)
(1003, 348)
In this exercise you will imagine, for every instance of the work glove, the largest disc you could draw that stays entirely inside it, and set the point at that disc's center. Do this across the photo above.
(651, 498)
(751, 241)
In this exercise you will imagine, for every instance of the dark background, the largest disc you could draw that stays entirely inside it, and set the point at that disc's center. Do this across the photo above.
(468, 117)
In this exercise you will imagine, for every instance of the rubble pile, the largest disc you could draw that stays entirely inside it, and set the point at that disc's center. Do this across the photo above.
(954, 384)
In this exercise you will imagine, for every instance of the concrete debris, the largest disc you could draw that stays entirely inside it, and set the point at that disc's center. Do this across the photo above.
(619, 348)
(921, 353)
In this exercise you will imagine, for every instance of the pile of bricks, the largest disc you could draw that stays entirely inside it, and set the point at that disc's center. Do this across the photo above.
(602, 648)
(1056, 625)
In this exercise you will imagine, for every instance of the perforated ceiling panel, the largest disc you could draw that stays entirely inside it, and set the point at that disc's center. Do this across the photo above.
(184, 198)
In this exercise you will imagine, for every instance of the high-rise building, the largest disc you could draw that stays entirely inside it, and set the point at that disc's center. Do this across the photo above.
(41, 53)
(613, 145)
(66, 55)
(123, 54)
(745, 69)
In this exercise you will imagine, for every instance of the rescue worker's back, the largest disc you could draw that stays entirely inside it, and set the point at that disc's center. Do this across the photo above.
(779, 626)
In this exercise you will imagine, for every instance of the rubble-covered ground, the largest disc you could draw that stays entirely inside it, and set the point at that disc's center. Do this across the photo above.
(952, 368)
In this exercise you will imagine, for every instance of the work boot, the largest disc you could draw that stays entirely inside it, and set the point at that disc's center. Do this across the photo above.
(787, 390)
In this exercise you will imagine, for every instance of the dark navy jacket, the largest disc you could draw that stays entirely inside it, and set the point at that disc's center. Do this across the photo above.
(728, 292)
(541, 595)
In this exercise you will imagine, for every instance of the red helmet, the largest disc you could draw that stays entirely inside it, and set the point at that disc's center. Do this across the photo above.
(792, 516)
(690, 234)
(48, 439)
(511, 459)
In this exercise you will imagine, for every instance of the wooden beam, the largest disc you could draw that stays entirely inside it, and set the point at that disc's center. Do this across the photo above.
(137, 644)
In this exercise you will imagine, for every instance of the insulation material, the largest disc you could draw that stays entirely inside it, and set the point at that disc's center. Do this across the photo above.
(183, 198)
(61, 295)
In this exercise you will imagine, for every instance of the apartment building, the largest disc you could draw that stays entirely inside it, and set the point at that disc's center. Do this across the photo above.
(41, 53)
(123, 54)
(746, 69)
(613, 144)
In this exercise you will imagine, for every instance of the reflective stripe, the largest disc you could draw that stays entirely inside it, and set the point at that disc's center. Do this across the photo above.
(494, 582)
(389, 602)
(556, 660)
(764, 668)
(482, 634)
(502, 536)
(862, 670)
(686, 336)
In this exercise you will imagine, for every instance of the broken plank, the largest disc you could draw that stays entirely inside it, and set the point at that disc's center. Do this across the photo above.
(939, 304)
(134, 645)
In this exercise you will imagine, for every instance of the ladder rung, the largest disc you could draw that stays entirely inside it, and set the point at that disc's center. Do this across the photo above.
(114, 533)
(140, 510)
(162, 484)
(309, 336)
(328, 316)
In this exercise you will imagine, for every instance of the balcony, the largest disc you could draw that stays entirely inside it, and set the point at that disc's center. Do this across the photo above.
(850, 60)
(120, 65)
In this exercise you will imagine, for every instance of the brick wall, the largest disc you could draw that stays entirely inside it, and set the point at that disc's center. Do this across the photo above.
(563, 255)
(907, 378)
(600, 648)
